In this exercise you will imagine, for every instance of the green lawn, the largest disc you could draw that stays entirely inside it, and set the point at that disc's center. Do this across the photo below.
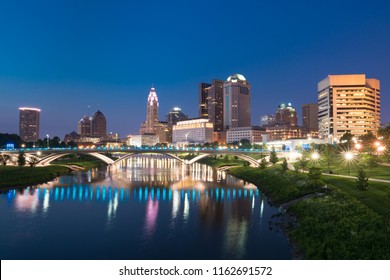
(377, 197)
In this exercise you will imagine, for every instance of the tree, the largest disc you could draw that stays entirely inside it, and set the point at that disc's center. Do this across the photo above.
(347, 139)
(33, 161)
(302, 163)
(284, 165)
(263, 163)
(362, 180)
(315, 173)
(370, 161)
(328, 155)
(21, 159)
(4, 159)
(273, 157)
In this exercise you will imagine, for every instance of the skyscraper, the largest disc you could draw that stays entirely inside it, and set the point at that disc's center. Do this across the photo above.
(151, 112)
(310, 117)
(99, 125)
(286, 114)
(152, 125)
(348, 103)
(236, 102)
(203, 100)
(29, 124)
(84, 127)
(211, 103)
(174, 116)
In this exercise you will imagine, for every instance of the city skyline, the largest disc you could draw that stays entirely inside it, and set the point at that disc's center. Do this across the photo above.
(108, 63)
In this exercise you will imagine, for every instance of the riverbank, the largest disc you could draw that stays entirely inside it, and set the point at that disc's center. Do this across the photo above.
(335, 225)
(15, 176)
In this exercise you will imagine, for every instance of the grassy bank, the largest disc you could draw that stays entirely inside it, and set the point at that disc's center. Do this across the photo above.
(345, 223)
(278, 186)
(224, 161)
(13, 176)
(377, 197)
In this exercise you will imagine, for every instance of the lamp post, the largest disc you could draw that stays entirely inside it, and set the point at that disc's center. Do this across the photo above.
(48, 138)
(315, 157)
(348, 157)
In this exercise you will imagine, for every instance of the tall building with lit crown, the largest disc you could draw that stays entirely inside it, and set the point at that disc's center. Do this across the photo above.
(151, 112)
(236, 102)
(152, 126)
(348, 103)
(29, 121)
(211, 103)
(99, 125)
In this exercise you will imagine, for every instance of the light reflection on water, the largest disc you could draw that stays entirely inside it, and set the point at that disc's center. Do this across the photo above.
(155, 208)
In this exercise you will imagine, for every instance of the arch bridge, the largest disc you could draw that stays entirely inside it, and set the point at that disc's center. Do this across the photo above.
(44, 157)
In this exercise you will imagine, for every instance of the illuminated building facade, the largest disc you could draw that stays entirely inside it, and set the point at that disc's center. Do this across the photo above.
(194, 131)
(29, 121)
(283, 132)
(310, 119)
(236, 102)
(348, 103)
(252, 133)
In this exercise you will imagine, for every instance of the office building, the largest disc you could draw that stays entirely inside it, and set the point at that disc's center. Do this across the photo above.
(144, 140)
(348, 103)
(174, 116)
(310, 117)
(236, 102)
(99, 125)
(283, 132)
(267, 120)
(193, 131)
(29, 121)
(203, 100)
(211, 103)
(252, 133)
(286, 114)
(84, 127)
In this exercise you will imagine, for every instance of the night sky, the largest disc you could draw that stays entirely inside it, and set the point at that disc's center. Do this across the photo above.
(70, 58)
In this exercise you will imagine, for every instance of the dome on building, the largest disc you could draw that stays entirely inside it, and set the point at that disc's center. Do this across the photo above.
(235, 78)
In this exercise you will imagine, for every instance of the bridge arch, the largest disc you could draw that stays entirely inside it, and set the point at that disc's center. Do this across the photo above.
(252, 161)
(116, 162)
(47, 160)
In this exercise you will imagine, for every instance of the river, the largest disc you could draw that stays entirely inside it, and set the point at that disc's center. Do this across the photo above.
(151, 207)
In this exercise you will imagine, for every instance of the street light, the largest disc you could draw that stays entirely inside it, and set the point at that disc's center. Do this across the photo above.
(315, 156)
(348, 157)
(48, 137)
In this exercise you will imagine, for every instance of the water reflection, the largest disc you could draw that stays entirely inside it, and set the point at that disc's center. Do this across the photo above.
(168, 197)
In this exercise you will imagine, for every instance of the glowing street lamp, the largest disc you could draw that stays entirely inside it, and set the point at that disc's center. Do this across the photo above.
(358, 146)
(48, 137)
(348, 157)
(315, 156)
